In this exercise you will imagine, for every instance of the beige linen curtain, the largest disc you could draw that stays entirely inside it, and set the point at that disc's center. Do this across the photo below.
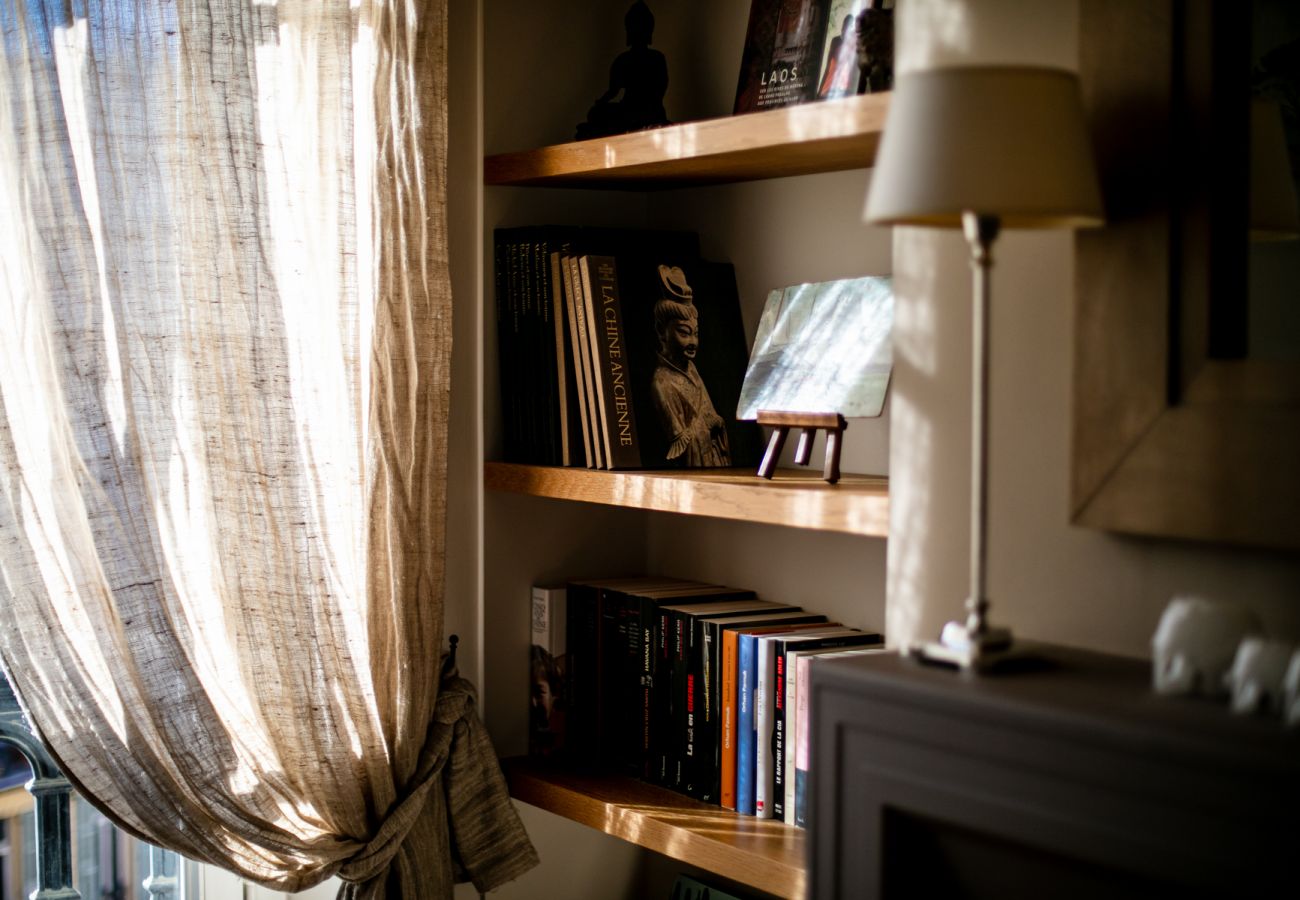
(225, 331)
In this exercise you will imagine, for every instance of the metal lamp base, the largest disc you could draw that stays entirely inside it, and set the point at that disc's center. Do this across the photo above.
(958, 648)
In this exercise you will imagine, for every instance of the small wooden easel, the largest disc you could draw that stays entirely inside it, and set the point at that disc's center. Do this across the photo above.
(782, 422)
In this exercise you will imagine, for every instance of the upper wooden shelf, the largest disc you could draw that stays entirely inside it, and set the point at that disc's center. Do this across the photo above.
(760, 853)
(797, 498)
(827, 136)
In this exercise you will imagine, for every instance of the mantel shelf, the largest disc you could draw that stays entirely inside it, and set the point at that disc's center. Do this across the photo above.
(797, 498)
(760, 853)
(828, 136)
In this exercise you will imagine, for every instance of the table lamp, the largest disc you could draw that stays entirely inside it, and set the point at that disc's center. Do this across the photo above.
(983, 148)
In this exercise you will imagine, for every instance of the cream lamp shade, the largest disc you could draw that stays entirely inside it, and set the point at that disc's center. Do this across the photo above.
(1273, 214)
(1009, 142)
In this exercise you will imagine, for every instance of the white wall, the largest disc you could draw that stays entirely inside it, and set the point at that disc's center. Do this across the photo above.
(1048, 579)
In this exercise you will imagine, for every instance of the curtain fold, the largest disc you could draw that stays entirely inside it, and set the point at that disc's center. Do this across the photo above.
(225, 332)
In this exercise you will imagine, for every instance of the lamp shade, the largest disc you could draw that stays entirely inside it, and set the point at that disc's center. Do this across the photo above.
(1009, 142)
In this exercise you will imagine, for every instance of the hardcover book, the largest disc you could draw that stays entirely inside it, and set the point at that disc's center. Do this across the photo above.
(782, 55)
(670, 361)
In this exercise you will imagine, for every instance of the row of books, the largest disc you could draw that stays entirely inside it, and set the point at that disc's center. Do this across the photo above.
(697, 687)
(618, 349)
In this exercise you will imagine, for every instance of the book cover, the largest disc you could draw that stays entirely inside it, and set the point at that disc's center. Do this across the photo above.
(682, 354)
(802, 730)
(731, 693)
(839, 57)
(782, 55)
(822, 347)
(547, 665)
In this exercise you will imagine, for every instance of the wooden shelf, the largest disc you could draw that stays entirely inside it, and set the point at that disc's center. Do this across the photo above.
(797, 498)
(827, 136)
(759, 853)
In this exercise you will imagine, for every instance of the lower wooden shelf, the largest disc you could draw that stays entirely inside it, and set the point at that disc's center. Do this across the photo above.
(798, 498)
(759, 853)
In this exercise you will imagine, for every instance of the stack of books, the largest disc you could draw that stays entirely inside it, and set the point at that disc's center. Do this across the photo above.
(619, 349)
(697, 687)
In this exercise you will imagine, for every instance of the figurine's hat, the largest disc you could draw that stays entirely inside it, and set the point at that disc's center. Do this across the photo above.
(674, 280)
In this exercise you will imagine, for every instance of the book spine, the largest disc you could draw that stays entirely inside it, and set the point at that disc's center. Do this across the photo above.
(620, 676)
(646, 658)
(727, 752)
(706, 746)
(600, 278)
(802, 753)
(746, 725)
(663, 698)
(791, 732)
(596, 395)
(545, 376)
(573, 307)
(680, 699)
(584, 695)
(763, 726)
(778, 731)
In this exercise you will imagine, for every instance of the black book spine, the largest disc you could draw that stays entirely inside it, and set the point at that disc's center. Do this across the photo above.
(661, 698)
(585, 645)
(677, 739)
(778, 734)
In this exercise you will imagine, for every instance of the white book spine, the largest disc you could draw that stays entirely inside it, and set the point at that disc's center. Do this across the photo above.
(791, 734)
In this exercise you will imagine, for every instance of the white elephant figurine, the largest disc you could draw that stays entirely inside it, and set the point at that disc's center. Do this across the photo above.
(1291, 688)
(1194, 645)
(1257, 675)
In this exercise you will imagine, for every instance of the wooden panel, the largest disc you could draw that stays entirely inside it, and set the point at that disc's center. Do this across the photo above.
(800, 140)
(858, 504)
(756, 852)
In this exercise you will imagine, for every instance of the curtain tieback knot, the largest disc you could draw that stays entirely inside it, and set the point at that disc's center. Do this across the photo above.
(456, 698)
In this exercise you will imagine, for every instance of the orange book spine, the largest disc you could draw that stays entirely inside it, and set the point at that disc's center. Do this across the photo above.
(727, 798)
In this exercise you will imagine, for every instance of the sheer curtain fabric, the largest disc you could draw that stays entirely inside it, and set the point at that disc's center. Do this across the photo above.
(225, 330)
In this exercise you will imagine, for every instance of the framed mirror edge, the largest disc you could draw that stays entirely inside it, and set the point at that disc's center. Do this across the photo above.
(1206, 451)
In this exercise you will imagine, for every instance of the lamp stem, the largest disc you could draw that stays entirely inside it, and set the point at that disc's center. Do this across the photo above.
(981, 231)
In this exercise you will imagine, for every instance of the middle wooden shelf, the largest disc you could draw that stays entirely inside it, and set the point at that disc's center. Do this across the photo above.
(760, 853)
(797, 498)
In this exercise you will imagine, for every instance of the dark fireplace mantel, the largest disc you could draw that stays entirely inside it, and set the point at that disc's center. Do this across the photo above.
(1072, 779)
